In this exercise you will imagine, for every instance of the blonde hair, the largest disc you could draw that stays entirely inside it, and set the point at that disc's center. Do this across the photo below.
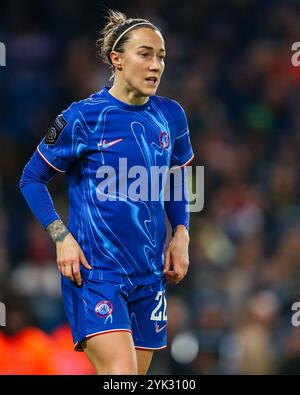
(116, 33)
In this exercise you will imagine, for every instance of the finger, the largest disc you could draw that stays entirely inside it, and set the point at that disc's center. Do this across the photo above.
(170, 276)
(171, 273)
(173, 278)
(178, 266)
(179, 279)
(84, 261)
(175, 275)
(76, 273)
(167, 261)
(59, 266)
(183, 271)
(67, 272)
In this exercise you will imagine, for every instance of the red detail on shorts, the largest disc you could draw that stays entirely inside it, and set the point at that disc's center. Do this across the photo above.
(150, 348)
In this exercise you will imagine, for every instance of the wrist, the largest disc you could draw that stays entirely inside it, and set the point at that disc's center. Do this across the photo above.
(57, 231)
(181, 230)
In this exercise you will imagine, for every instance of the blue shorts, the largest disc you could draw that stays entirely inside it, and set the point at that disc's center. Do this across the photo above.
(99, 307)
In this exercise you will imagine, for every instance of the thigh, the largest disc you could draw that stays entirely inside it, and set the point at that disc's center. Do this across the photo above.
(148, 314)
(111, 353)
(144, 358)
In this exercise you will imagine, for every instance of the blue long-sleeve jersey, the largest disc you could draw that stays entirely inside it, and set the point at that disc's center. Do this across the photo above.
(111, 152)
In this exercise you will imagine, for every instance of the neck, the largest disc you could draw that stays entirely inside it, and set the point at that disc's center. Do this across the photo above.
(127, 95)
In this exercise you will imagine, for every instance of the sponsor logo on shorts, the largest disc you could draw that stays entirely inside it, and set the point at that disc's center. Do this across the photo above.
(158, 328)
(104, 308)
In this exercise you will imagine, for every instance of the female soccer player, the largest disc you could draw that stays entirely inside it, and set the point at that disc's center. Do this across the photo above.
(111, 254)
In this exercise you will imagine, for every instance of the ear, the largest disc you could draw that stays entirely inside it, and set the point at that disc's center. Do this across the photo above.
(116, 59)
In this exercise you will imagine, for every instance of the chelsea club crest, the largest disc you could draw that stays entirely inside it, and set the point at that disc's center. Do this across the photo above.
(104, 308)
(164, 139)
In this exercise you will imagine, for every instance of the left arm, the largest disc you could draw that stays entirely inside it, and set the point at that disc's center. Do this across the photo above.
(176, 254)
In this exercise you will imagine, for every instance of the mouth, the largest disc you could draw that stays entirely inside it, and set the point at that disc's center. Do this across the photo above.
(152, 80)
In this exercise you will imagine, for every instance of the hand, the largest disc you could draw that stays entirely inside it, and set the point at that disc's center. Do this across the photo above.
(69, 257)
(177, 256)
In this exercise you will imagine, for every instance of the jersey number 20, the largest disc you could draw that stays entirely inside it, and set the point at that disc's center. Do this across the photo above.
(157, 313)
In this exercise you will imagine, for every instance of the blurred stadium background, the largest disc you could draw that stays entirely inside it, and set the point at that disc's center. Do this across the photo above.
(229, 65)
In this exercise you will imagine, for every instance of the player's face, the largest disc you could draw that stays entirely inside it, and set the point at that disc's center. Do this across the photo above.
(143, 61)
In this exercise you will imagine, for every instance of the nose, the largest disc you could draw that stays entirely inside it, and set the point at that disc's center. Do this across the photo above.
(155, 64)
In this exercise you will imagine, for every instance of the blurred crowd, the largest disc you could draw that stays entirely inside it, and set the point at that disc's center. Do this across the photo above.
(229, 65)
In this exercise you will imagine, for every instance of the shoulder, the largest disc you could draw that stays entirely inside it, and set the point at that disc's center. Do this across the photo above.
(86, 105)
(175, 113)
(171, 105)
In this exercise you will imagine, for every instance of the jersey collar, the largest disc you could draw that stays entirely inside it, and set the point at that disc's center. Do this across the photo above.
(121, 104)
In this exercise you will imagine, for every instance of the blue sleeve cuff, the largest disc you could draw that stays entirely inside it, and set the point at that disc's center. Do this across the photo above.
(178, 208)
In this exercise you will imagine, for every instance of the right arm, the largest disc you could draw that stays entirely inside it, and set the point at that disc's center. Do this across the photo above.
(33, 185)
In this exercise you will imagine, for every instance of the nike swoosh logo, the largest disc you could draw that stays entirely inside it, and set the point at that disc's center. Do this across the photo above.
(159, 329)
(105, 144)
